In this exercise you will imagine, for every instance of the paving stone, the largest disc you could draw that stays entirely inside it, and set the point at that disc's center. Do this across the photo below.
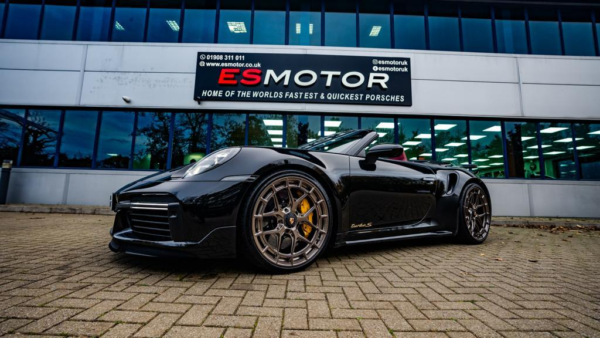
(267, 327)
(75, 328)
(50, 320)
(122, 330)
(230, 321)
(158, 325)
(11, 325)
(194, 332)
(97, 310)
(435, 325)
(195, 315)
(334, 324)
(295, 319)
(128, 316)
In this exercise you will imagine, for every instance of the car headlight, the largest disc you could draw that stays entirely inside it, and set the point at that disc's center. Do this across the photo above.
(212, 161)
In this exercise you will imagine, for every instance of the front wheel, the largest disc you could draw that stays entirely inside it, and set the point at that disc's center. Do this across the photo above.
(475, 215)
(287, 222)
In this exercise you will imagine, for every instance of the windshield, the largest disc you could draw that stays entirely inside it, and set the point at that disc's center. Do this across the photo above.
(338, 143)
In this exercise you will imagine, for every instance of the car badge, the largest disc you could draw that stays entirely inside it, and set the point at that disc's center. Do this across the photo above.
(291, 219)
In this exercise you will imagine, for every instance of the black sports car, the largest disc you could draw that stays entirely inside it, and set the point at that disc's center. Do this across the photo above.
(281, 208)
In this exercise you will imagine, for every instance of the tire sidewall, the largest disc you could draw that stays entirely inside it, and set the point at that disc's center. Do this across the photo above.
(463, 231)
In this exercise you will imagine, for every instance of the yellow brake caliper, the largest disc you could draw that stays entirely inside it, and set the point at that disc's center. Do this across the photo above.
(304, 206)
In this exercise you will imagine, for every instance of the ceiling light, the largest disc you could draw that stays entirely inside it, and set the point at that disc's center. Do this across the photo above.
(426, 155)
(554, 153)
(481, 160)
(496, 163)
(441, 150)
(413, 158)
(382, 134)
(526, 138)
(583, 147)
(552, 130)
(298, 28)
(385, 125)
(465, 163)
(482, 166)
(118, 26)
(333, 124)
(568, 139)
(449, 159)
(494, 129)
(173, 24)
(461, 155)
(273, 123)
(237, 27)
(454, 144)
(375, 31)
(411, 143)
(277, 146)
(274, 140)
(275, 132)
(329, 132)
(597, 132)
(406, 148)
(497, 156)
(310, 28)
(423, 136)
(444, 126)
(310, 140)
(529, 157)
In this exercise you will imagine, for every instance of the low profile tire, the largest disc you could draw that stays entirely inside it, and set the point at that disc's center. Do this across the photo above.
(475, 215)
(287, 223)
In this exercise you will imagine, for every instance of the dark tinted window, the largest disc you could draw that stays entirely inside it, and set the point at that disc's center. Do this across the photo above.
(522, 149)
(511, 33)
(130, 20)
(334, 124)
(23, 19)
(384, 126)
(557, 147)
(409, 26)
(374, 24)
(199, 21)
(59, 19)
(164, 21)
(487, 150)
(340, 23)
(305, 22)
(302, 129)
(415, 136)
(578, 32)
(269, 22)
(2, 5)
(114, 145)
(234, 21)
(588, 149)
(11, 128)
(77, 140)
(543, 28)
(189, 139)
(261, 127)
(477, 28)
(39, 147)
(443, 27)
(451, 141)
(151, 140)
(94, 20)
(227, 130)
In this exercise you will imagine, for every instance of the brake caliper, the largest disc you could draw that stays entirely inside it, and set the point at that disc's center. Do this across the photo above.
(304, 206)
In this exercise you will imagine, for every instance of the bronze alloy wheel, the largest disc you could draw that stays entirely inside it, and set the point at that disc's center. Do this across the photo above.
(290, 221)
(476, 212)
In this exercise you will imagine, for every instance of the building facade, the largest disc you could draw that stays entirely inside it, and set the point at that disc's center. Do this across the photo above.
(97, 93)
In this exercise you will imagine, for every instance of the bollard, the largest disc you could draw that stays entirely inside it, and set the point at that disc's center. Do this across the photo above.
(4, 177)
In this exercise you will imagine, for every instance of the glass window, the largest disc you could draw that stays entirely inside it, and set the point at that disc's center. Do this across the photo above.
(11, 128)
(23, 19)
(39, 147)
(264, 129)
(588, 149)
(415, 136)
(374, 23)
(151, 140)
(269, 22)
(189, 138)
(228, 130)
(77, 139)
(511, 34)
(522, 149)
(340, 23)
(384, 126)
(163, 22)
(305, 22)
(451, 142)
(409, 26)
(130, 20)
(578, 32)
(477, 28)
(234, 21)
(1, 16)
(543, 27)
(334, 124)
(59, 19)
(557, 147)
(443, 27)
(94, 20)
(114, 144)
(302, 129)
(199, 19)
(487, 151)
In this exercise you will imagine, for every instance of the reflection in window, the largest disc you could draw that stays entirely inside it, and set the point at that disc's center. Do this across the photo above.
(409, 26)
(443, 27)
(588, 150)
(11, 127)
(415, 136)
(130, 21)
(163, 22)
(302, 129)
(59, 19)
(114, 144)
(522, 149)
(340, 23)
(578, 32)
(264, 130)
(228, 130)
(374, 21)
(39, 146)
(189, 138)
(384, 126)
(305, 23)
(94, 20)
(557, 147)
(334, 124)
(234, 22)
(23, 19)
(487, 151)
(543, 28)
(77, 140)
(477, 28)
(151, 140)
(269, 22)
(451, 143)
(1, 16)
(199, 18)
(511, 34)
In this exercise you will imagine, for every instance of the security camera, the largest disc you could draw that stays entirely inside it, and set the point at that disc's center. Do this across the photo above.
(127, 99)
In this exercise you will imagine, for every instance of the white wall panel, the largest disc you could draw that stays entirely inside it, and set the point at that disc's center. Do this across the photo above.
(41, 56)
(36, 187)
(565, 200)
(508, 199)
(576, 71)
(37, 87)
(561, 101)
(102, 184)
(456, 67)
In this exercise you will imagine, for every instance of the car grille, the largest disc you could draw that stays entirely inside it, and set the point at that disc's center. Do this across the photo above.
(150, 219)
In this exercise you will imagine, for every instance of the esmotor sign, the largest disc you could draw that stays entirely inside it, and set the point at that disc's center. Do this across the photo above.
(303, 78)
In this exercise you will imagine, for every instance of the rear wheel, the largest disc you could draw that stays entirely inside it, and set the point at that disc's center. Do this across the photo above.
(287, 222)
(475, 215)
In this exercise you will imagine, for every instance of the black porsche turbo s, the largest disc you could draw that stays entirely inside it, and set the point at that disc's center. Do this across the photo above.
(281, 208)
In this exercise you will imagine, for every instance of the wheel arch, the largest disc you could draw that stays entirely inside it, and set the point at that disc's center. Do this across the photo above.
(463, 188)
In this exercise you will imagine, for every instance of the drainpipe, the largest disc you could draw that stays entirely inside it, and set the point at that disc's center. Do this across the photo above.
(5, 176)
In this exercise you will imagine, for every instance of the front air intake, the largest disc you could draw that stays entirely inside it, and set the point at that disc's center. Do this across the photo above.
(150, 219)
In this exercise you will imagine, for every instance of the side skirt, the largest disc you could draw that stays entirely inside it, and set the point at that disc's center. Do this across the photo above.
(399, 238)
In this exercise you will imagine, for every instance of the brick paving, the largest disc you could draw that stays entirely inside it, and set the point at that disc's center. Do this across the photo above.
(58, 278)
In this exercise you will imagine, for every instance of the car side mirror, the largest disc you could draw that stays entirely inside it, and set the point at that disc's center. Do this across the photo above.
(383, 150)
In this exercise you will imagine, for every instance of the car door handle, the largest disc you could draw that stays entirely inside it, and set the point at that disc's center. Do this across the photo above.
(428, 179)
